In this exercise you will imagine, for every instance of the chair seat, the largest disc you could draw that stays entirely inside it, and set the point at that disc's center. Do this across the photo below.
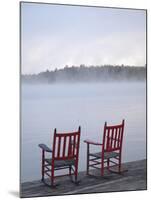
(106, 155)
(61, 163)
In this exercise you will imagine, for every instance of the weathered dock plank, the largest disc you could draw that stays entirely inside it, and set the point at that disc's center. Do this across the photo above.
(133, 179)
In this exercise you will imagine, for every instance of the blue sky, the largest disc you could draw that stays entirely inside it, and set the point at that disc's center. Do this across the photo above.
(56, 35)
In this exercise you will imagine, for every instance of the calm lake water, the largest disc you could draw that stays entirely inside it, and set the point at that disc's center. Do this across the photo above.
(66, 106)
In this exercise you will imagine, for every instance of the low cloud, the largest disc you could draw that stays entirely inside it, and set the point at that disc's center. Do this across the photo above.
(50, 51)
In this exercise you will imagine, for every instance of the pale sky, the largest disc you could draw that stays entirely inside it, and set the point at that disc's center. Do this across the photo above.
(53, 36)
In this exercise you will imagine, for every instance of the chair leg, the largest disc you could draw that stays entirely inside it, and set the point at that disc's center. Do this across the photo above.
(108, 164)
(76, 176)
(87, 171)
(52, 176)
(102, 168)
(76, 172)
(70, 170)
(119, 166)
(42, 167)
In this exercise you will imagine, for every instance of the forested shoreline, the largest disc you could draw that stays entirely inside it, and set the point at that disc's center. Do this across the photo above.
(84, 73)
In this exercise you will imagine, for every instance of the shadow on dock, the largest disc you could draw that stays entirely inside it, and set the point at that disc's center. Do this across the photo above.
(133, 179)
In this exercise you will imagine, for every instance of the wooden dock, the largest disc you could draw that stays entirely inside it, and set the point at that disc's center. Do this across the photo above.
(133, 179)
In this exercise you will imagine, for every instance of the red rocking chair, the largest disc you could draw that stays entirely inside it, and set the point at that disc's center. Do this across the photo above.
(65, 154)
(110, 149)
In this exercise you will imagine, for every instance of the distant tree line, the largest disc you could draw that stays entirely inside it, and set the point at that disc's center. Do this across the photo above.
(84, 73)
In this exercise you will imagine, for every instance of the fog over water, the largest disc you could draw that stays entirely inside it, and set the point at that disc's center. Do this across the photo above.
(66, 106)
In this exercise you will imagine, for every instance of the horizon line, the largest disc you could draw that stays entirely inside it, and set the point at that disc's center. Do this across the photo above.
(84, 66)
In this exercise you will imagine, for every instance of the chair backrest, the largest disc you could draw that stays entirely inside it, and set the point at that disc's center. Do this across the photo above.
(66, 145)
(113, 137)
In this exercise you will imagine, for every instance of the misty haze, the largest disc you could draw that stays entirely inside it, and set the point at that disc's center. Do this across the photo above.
(82, 66)
(87, 74)
(66, 106)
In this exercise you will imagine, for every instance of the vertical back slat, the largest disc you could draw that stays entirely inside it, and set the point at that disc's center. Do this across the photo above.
(78, 143)
(122, 130)
(115, 138)
(59, 142)
(108, 140)
(74, 147)
(112, 138)
(104, 139)
(54, 144)
(69, 146)
(118, 143)
(64, 146)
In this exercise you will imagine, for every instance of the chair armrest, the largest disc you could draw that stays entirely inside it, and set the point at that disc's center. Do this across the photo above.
(45, 148)
(92, 142)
